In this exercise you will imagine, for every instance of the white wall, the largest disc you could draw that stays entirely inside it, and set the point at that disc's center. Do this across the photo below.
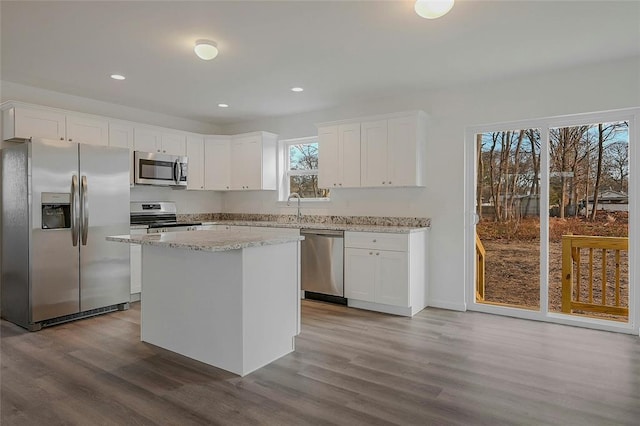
(186, 201)
(18, 92)
(591, 88)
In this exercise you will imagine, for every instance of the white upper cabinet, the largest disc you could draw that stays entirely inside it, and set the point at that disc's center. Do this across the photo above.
(405, 151)
(121, 135)
(328, 157)
(217, 163)
(339, 156)
(87, 130)
(25, 123)
(173, 144)
(253, 161)
(374, 153)
(156, 141)
(146, 140)
(195, 168)
(383, 151)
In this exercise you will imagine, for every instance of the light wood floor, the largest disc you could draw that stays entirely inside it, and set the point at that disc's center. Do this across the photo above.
(350, 367)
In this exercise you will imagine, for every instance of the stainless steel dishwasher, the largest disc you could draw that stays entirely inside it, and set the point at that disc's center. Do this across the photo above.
(322, 265)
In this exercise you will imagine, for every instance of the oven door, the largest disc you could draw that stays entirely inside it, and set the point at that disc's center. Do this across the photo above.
(160, 169)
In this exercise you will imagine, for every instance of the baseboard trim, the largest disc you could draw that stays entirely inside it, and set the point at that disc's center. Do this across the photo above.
(447, 305)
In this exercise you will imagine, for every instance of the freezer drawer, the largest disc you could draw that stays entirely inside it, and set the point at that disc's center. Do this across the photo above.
(322, 262)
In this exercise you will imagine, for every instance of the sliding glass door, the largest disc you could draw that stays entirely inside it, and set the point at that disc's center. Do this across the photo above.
(552, 222)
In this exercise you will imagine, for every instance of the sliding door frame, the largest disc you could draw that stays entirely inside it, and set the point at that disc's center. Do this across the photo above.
(632, 115)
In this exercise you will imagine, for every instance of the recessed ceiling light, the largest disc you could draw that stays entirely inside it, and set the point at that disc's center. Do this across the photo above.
(297, 89)
(117, 77)
(223, 105)
(206, 49)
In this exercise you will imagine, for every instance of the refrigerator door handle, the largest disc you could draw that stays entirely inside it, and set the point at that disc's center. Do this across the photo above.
(84, 198)
(75, 208)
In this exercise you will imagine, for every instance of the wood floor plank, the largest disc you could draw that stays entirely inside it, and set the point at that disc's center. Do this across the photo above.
(350, 367)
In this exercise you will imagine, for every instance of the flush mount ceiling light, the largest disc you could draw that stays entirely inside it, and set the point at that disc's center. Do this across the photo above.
(432, 9)
(117, 77)
(223, 105)
(206, 49)
(297, 89)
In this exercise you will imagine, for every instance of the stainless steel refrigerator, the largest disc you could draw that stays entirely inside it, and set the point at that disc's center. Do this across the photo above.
(59, 202)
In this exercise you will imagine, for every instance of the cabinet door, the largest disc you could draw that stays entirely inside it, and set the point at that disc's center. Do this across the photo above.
(195, 170)
(349, 155)
(237, 165)
(92, 131)
(374, 153)
(146, 140)
(135, 251)
(34, 123)
(173, 144)
(359, 274)
(328, 157)
(217, 170)
(246, 163)
(403, 152)
(253, 161)
(392, 278)
(121, 135)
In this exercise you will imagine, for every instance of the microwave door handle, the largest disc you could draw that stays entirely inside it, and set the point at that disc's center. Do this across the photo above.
(75, 209)
(84, 197)
(176, 172)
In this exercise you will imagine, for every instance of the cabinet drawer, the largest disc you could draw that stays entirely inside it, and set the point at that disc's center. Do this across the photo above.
(374, 240)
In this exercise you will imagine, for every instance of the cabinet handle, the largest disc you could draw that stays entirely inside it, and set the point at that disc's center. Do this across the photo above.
(164, 151)
(389, 182)
(370, 252)
(61, 139)
(375, 241)
(378, 254)
(70, 140)
(340, 184)
(334, 184)
(383, 182)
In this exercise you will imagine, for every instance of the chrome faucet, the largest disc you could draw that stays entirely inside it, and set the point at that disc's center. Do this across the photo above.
(295, 195)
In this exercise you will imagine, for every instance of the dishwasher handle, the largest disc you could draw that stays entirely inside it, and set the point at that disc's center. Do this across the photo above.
(322, 232)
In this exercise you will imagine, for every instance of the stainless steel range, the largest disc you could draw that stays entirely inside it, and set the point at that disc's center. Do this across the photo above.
(160, 216)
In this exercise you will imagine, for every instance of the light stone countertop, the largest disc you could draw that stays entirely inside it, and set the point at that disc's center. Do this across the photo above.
(206, 240)
(329, 226)
(138, 226)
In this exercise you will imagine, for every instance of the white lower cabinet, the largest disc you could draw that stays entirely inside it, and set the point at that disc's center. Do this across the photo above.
(135, 252)
(386, 272)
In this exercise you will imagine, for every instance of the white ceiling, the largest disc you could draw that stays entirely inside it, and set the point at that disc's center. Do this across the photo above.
(339, 51)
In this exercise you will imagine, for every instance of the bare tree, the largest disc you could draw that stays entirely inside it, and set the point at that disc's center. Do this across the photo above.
(617, 164)
(605, 132)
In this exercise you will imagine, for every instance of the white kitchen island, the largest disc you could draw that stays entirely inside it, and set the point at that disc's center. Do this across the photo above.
(226, 299)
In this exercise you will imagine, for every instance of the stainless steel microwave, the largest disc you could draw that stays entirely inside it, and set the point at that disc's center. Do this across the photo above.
(160, 169)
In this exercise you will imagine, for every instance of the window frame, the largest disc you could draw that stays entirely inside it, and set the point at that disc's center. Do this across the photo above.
(285, 173)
